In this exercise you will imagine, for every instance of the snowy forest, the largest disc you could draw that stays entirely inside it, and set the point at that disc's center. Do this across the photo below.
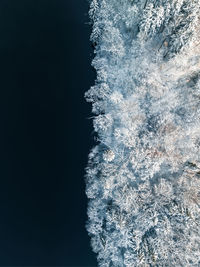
(143, 175)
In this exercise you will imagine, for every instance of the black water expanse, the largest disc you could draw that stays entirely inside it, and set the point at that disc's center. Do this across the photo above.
(45, 135)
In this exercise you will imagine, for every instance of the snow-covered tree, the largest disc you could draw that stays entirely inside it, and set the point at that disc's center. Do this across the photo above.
(143, 176)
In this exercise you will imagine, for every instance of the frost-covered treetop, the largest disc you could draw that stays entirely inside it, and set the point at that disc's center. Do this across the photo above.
(143, 176)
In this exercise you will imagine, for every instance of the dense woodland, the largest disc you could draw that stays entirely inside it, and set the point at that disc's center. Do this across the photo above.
(143, 175)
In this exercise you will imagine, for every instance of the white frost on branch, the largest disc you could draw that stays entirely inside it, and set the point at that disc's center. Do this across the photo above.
(143, 176)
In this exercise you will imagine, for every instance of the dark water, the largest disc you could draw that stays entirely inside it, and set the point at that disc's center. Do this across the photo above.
(45, 137)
